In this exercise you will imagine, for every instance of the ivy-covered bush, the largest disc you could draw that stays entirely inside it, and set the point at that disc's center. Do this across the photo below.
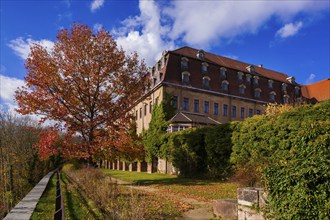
(218, 146)
(299, 183)
(187, 152)
(290, 153)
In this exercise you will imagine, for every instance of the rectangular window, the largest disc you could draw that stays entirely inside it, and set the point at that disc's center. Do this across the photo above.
(145, 109)
(216, 109)
(242, 112)
(136, 114)
(185, 104)
(157, 100)
(258, 112)
(233, 111)
(206, 107)
(250, 112)
(196, 105)
(150, 107)
(225, 110)
(140, 112)
(175, 102)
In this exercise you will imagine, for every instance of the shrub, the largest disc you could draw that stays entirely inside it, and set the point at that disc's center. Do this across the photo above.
(298, 184)
(187, 152)
(218, 146)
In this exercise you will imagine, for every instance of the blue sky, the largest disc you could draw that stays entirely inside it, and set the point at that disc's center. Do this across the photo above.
(287, 36)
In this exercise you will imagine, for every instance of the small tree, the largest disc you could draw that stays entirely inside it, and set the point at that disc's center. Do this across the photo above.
(84, 83)
(154, 137)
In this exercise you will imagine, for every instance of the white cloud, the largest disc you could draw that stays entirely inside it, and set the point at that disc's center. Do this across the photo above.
(8, 86)
(201, 23)
(96, 4)
(162, 26)
(97, 27)
(311, 78)
(150, 40)
(21, 46)
(289, 30)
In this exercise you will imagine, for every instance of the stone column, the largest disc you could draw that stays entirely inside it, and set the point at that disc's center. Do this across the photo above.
(149, 167)
(138, 169)
(249, 199)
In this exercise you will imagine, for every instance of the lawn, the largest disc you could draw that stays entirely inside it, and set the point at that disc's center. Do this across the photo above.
(197, 188)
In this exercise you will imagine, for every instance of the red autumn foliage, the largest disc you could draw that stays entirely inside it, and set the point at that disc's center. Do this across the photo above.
(86, 84)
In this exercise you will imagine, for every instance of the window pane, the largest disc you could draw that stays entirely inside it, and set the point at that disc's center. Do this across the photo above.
(216, 109)
(175, 102)
(185, 103)
(206, 107)
(233, 111)
(196, 105)
(225, 110)
(242, 112)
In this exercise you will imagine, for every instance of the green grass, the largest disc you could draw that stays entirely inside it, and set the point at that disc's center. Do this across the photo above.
(203, 188)
(46, 205)
(76, 205)
(142, 178)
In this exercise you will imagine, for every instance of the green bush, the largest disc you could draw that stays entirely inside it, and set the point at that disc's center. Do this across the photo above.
(290, 153)
(187, 152)
(299, 183)
(218, 146)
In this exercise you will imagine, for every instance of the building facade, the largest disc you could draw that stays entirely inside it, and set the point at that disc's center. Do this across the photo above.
(210, 89)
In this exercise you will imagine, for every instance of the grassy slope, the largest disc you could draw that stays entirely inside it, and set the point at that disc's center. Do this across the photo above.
(205, 189)
(76, 205)
(46, 205)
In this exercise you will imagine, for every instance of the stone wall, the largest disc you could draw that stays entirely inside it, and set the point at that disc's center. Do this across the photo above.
(248, 205)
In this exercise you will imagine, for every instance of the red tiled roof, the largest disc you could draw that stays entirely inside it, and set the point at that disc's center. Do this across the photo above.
(319, 90)
(230, 63)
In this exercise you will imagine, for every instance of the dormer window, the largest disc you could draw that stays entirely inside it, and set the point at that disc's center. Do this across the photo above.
(248, 78)
(185, 77)
(257, 93)
(160, 76)
(184, 63)
(256, 80)
(204, 68)
(270, 84)
(240, 76)
(201, 54)
(223, 73)
(291, 79)
(284, 85)
(224, 85)
(241, 89)
(272, 96)
(250, 68)
(206, 82)
(285, 99)
(297, 91)
(163, 60)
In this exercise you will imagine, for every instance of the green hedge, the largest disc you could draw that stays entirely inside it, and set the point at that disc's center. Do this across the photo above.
(288, 153)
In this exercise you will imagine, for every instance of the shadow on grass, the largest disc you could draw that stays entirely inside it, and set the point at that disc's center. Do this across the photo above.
(74, 209)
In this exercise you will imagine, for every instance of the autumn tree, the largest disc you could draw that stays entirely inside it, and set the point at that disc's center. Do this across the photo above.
(86, 85)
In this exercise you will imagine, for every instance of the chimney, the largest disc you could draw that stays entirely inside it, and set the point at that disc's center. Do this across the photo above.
(260, 65)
